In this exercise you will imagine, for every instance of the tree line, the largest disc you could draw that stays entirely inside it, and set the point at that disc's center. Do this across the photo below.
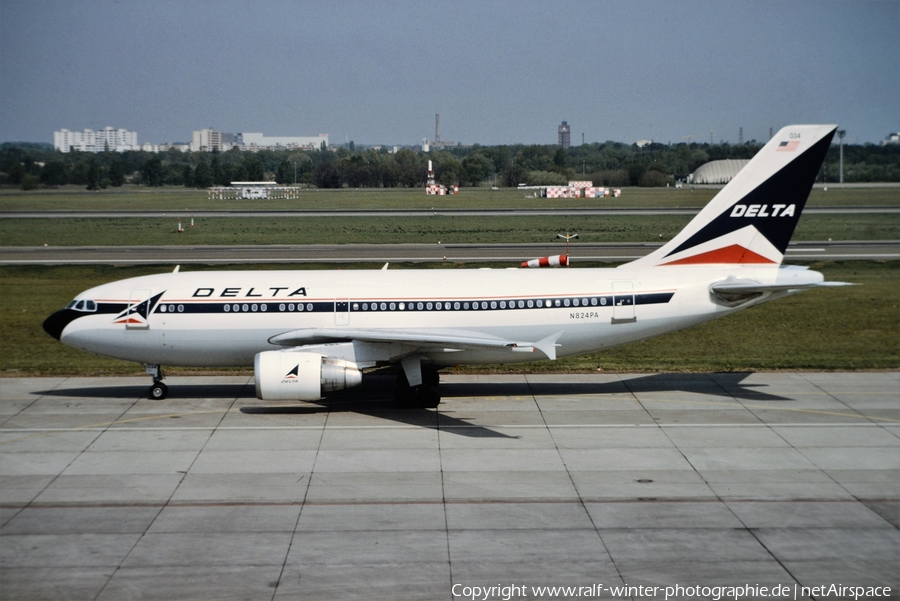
(32, 166)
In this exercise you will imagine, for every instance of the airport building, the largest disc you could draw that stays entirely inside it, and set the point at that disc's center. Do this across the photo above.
(148, 147)
(88, 140)
(209, 140)
(564, 135)
(253, 190)
(251, 140)
(717, 172)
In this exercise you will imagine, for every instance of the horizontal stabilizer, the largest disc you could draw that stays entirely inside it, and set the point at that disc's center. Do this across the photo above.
(757, 287)
(736, 291)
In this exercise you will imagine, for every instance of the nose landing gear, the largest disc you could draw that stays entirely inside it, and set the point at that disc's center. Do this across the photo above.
(158, 391)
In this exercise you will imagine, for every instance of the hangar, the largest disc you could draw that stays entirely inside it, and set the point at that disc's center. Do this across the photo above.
(717, 172)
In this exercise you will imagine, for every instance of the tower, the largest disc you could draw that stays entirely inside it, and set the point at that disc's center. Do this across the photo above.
(430, 176)
(437, 130)
(564, 132)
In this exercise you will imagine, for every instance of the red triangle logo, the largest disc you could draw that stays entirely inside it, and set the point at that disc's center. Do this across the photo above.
(730, 254)
(129, 320)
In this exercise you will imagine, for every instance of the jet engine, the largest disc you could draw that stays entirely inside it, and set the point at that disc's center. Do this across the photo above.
(298, 376)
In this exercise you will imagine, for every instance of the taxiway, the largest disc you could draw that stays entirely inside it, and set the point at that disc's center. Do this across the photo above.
(532, 480)
(518, 212)
(415, 253)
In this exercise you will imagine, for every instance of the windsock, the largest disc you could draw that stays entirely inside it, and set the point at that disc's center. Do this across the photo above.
(554, 261)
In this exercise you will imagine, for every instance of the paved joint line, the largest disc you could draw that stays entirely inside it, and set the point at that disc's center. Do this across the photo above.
(141, 537)
(444, 502)
(162, 505)
(580, 498)
(495, 501)
(444, 427)
(77, 455)
(303, 504)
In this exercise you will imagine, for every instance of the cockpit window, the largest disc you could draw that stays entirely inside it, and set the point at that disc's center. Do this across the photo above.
(86, 306)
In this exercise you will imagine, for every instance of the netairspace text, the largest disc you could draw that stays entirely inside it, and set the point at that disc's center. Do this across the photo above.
(715, 593)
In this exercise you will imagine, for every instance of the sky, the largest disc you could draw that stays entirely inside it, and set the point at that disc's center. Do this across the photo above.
(497, 72)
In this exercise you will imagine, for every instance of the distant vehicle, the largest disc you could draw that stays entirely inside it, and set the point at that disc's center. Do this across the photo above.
(311, 332)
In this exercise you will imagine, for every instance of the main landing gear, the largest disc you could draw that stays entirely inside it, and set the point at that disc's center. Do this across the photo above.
(158, 391)
(425, 395)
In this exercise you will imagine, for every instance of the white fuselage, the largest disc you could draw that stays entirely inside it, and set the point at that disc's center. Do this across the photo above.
(226, 318)
(332, 324)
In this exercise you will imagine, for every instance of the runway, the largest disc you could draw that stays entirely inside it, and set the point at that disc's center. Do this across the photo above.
(594, 480)
(279, 213)
(415, 253)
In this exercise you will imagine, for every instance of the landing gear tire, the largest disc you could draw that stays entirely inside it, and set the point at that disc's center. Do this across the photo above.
(158, 391)
(431, 377)
(429, 397)
(419, 397)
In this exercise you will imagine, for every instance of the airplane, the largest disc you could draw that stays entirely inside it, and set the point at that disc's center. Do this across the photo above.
(309, 333)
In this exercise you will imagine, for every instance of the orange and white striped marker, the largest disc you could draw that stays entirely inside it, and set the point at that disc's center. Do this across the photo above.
(554, 261)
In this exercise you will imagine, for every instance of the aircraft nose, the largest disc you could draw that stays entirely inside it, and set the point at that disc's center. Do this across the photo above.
(57, 322)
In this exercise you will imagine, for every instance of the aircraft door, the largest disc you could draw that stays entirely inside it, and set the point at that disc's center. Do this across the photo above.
(341, 312)
(623, 302)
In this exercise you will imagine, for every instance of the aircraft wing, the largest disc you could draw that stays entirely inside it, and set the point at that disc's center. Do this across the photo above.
(420, 338)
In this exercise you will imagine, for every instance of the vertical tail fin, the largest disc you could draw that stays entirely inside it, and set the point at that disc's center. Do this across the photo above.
(752, 219)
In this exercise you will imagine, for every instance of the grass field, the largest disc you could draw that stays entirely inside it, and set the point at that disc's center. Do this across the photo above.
(399, 230)
(430, 229)
(182, 199)
(843, 328)
(827, 329)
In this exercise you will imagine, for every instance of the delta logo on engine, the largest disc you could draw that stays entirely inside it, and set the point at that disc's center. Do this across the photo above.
(291, 376)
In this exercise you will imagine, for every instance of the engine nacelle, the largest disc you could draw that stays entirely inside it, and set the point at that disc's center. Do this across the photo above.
(298, 376)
